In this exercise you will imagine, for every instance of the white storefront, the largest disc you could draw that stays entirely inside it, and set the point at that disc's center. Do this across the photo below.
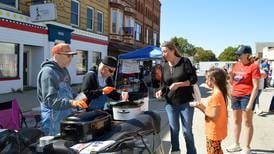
(25, 45)
(206, 65)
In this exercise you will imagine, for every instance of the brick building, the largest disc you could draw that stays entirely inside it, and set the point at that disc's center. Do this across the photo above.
(133, 24)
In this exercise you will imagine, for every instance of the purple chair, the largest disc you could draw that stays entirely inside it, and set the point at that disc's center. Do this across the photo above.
(11, 116)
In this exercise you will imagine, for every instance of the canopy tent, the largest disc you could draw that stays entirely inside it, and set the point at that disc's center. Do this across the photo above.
(149, 52)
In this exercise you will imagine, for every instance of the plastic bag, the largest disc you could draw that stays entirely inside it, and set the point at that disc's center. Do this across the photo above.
(196, 93)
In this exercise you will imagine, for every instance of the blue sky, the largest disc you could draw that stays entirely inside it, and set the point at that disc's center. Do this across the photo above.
(217, 24)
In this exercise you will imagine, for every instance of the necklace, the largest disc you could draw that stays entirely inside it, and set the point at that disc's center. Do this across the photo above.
(171, 66)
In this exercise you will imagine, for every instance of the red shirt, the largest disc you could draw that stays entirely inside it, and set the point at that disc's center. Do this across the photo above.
(242, 76)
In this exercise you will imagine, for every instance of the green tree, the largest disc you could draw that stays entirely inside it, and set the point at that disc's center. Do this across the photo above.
(183, 46)
(228, 54)
(204, 55)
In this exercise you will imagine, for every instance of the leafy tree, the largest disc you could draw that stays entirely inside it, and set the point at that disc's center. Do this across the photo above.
(183, 46)
(204, 55)
(228, 54)
(187, 49)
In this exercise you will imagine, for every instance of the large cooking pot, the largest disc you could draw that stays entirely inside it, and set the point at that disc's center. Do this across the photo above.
(137, 95)
(127, 110)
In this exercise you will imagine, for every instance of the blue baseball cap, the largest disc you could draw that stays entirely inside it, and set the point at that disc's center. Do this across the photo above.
(243, 49)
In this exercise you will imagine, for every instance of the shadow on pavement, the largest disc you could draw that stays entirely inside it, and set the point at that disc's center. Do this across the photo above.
(265, 114)
(166, 146)
(260, 151)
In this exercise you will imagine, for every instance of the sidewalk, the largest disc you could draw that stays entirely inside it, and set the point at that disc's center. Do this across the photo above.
(262, 143)
(26, 99)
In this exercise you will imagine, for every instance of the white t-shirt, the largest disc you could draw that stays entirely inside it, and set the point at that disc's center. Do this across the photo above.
(102, 81)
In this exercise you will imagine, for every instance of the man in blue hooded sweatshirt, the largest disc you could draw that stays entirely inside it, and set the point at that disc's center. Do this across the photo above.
(54, 90)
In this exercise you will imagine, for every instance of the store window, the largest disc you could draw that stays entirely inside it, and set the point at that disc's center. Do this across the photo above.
(100, 22)
(90, 18)
(9, 61)
(96, 58)
(10, 3)
(138, 32)
(82, 62)
(74, 13)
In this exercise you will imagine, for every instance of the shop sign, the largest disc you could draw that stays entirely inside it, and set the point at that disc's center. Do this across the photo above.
(43, 12)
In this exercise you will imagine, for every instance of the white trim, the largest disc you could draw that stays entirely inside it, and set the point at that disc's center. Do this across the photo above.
(9, 6)
(90, 34)
(17, 17)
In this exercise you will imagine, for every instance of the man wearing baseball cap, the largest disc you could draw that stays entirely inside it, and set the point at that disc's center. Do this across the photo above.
(98, 84)
(54, 89)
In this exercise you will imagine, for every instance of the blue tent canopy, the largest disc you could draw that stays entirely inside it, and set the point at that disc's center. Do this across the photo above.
(149, 52)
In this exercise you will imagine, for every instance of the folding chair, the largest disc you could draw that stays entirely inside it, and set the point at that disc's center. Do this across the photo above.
(11, 116)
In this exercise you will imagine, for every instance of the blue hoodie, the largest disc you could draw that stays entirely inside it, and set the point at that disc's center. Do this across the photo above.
(54, 93)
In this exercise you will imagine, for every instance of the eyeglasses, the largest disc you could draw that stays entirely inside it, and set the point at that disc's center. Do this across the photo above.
(68, 55)
(110, 70)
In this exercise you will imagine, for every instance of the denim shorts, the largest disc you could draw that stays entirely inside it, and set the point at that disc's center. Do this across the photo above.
(240, 102)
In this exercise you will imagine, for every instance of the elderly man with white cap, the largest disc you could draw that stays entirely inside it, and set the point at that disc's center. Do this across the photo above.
(54, 90)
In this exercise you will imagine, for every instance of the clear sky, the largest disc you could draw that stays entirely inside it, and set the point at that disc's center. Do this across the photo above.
(217, 24)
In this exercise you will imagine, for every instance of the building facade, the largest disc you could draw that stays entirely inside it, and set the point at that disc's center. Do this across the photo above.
(133, 24)
(93, 28)
(29, 29)
(260, 47)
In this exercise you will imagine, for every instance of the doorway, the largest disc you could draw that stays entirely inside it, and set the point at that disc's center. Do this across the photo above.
(25, 68)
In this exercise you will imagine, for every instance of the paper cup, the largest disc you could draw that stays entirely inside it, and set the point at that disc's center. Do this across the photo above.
(45, 140)
(193, 103)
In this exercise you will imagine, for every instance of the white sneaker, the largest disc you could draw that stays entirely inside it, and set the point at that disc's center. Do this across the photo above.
(259, 112)
(234, 148)
(174, 152)
(246, 151)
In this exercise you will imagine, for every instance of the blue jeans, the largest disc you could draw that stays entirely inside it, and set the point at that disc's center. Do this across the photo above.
(240, 103)
(98, 103)
(186, 113)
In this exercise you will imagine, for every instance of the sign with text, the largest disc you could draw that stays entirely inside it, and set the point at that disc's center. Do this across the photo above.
(43, 12)
(130, 66)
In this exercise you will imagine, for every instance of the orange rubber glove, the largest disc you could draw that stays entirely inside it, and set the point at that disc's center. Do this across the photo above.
(80, 103)
(108, 90)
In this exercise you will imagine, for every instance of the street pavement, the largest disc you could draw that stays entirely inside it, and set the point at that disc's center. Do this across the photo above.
(263, 139)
